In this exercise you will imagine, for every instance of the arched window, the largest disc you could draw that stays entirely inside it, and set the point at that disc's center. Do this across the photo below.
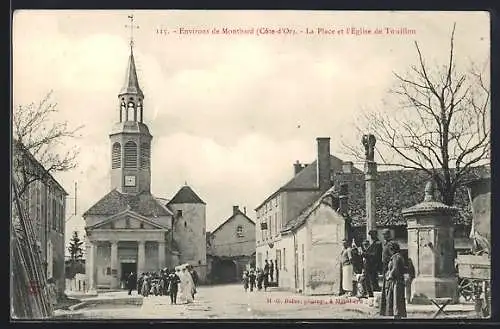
(145, 155)
(130, 155)
(116, 156)
(130, 111)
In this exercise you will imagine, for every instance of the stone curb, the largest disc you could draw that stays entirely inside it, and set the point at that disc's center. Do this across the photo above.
(111, 301)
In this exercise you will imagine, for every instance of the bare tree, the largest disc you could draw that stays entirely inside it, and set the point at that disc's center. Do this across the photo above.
(440, 123)
(36, 134)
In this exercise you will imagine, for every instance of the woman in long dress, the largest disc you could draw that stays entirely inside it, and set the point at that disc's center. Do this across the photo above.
(186, 286)
(347, 271)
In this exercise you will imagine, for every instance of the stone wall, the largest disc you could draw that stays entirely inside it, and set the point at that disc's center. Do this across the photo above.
(190, 235)
(226, 242)
(325, 234)
(286, 274)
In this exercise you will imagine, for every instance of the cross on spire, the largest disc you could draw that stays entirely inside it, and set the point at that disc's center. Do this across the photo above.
(132, 27)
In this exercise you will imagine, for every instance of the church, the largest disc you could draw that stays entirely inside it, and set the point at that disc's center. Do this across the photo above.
(129, 229)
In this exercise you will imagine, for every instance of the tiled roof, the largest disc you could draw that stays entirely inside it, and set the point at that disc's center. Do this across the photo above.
(304, 215)
(396, 190)
(114, 202)
(307, 177)
(186, 195)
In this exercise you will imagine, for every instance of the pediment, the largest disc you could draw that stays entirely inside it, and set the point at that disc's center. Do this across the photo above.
(127, 220)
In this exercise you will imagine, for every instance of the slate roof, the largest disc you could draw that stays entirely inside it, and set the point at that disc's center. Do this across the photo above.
(304, 215)
(239, 212)
(306, 179)
(131, 85)
(395, 191)
(186, 195)
(114, 202)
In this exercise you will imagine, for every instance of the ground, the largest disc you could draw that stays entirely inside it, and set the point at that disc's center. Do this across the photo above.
(232, 302)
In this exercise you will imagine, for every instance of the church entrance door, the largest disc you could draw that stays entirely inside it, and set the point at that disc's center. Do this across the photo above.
(126, 269)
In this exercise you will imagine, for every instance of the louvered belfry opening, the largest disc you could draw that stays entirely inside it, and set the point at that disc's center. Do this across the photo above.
(116, 159)
(145, 155)
(130, 155)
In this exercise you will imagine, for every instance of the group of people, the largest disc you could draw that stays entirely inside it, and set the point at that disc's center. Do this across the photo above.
(182, 281)
(259, 278)
(375, 257)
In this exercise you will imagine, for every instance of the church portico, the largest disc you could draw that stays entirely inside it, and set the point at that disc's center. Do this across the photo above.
(116, 254)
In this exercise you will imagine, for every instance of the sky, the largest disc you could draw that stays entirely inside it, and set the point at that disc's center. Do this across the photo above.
(229, 114)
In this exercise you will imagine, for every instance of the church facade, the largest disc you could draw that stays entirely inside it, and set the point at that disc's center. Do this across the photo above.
(129, 229)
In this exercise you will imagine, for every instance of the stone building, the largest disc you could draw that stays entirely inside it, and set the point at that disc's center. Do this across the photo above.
(314, 242)
(45, 203)
(231, 247)
(308, 183)
(279, 238)
(129, 229)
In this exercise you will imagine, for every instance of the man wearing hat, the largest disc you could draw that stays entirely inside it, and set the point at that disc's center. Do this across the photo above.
(374, 259)
(386, 257)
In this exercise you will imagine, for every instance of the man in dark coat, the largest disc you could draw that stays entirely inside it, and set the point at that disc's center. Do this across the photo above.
(386, 257)
(251, 278)
(366, 281)
(271, 271)
(173, 286)
(266, 268)
(131, 282)
(374, 259)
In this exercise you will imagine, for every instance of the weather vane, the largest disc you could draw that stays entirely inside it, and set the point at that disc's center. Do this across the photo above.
(132, 27)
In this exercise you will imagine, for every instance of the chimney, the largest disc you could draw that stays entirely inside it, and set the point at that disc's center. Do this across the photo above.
(343, 198)
(236, 209)
(347, 167)
(297, 167)
(245, 210)
(323, 163)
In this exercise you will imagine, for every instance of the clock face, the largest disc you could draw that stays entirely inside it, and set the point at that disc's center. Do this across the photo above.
(129, 180)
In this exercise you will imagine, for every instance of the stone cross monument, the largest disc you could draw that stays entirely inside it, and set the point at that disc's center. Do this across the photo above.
(431, 248)
(370, 180)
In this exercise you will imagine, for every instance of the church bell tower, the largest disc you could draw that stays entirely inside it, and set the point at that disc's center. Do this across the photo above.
(130, 137)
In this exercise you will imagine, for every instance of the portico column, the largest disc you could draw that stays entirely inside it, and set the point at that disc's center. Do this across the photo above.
(141, 256)
(114, 264)
(91, 255)
(161, 254)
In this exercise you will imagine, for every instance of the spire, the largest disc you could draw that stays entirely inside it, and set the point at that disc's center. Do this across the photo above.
(131, 85)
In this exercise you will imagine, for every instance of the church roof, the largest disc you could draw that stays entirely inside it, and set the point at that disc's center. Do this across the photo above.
(130, 127)
(131, 85)
(114, 202)
(186, 195)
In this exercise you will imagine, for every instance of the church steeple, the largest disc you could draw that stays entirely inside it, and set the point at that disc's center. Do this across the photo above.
(130, 137)
(131, 85)
(131, 96)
